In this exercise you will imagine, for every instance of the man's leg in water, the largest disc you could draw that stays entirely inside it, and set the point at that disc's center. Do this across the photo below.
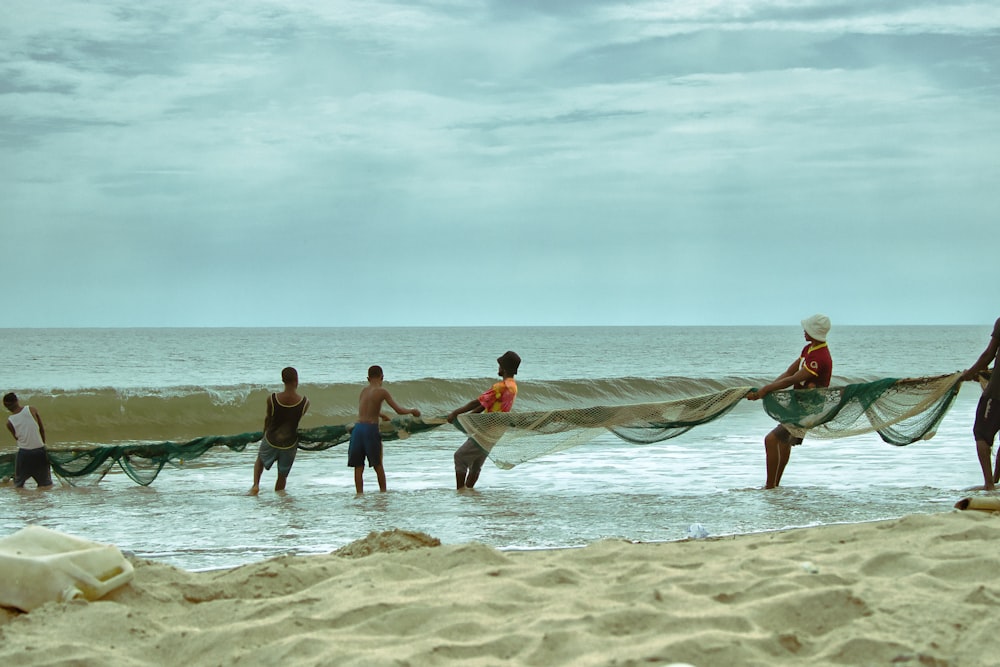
(777, 449)
(985, 453)
(474, 469)
(258, 470)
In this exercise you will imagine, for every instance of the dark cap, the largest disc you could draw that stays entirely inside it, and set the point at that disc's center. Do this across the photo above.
(509, 361)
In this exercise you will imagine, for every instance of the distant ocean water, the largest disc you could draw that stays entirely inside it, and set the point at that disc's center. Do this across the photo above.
(110, 386)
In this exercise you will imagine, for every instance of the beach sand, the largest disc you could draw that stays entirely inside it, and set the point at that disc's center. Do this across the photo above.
(912, 591)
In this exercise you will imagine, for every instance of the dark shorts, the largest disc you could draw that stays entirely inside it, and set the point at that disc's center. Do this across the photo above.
(32, 464)
(783, 433)
(269, 454)
(470, 456)
(987, 419)
(366, 442)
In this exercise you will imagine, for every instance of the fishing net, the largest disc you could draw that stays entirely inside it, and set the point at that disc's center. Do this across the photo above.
(143, 462)
(511, 438)
(900, 411)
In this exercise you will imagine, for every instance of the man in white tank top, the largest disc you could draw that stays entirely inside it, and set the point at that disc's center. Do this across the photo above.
(32, 461)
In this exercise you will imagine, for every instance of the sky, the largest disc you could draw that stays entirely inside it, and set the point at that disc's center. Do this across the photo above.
(498, 162)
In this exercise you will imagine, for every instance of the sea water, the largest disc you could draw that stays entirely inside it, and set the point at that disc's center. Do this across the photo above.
(116, 386)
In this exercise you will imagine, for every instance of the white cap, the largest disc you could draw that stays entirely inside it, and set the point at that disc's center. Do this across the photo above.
(817, 326)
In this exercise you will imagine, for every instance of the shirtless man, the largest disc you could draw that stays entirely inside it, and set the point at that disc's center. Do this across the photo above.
(366, 441)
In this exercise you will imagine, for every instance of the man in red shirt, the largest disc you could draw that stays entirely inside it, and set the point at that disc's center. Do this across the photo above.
(813, 368)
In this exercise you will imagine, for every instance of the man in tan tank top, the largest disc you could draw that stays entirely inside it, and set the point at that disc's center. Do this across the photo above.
(281, 431)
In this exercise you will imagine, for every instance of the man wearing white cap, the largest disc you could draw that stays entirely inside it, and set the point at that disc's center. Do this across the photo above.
(813, 368)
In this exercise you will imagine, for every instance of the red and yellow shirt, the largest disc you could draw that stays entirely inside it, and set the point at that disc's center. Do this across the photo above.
(500, 397)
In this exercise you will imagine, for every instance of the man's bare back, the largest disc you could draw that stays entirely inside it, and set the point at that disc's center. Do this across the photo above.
(370, 403)
(372, 396)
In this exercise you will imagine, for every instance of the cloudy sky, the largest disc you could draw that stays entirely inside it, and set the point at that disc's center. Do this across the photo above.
(482, 162)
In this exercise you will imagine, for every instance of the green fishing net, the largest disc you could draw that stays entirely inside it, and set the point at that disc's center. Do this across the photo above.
(511, 438)
(143, 462)
(901, 411)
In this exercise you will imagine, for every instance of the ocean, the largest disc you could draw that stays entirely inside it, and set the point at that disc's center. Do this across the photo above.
(117, 386)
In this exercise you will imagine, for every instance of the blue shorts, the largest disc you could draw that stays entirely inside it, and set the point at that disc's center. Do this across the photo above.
(366, 443)
(268, 454)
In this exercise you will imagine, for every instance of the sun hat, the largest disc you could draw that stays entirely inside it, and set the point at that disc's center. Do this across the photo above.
(817, 326)
(509, 361)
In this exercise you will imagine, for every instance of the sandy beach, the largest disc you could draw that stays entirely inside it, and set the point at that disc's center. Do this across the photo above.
(912, 591)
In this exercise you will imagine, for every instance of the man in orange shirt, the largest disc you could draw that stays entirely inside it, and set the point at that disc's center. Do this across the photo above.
(469, 458)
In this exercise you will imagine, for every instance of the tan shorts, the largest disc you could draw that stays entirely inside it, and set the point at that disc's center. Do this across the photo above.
(786, 436)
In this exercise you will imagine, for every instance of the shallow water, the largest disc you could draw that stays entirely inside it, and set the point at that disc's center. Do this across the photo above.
(198, 515)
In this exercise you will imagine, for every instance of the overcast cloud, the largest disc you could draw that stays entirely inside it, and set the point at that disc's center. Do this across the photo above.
(463, 162)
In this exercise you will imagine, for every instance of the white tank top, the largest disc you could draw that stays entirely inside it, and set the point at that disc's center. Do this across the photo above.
(26, 428)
